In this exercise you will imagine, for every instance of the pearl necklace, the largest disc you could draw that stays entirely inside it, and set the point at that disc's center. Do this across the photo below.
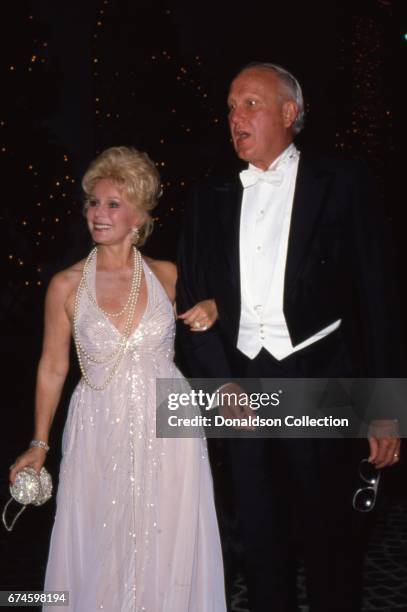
(93, 254)
(130, 305)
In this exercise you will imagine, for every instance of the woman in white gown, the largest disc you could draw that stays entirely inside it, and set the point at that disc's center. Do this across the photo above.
(135, 527)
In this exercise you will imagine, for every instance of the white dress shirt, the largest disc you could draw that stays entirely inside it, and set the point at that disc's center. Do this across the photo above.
(264, 230)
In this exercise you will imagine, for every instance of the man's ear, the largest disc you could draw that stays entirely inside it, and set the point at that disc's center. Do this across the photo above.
(290, 112)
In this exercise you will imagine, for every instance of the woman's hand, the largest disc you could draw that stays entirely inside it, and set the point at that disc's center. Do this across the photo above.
(34, 457)
(201, 316)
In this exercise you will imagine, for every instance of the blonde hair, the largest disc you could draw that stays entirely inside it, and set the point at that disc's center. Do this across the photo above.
(134, 173)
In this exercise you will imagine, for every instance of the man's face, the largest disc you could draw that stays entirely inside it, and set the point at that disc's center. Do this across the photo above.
(260, 116)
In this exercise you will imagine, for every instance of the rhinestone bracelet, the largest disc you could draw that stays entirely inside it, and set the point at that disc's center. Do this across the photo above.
(40, 444)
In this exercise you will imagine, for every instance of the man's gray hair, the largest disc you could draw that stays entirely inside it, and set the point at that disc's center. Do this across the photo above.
(291, 84)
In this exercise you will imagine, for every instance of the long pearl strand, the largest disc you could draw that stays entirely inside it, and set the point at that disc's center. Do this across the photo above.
(130, 305)
(93, 254)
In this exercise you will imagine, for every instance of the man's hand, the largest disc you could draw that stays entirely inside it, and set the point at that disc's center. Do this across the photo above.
(234, 404)
(384, 442)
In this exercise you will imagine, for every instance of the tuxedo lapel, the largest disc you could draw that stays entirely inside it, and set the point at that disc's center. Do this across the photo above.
(311, 191)
(229, 209)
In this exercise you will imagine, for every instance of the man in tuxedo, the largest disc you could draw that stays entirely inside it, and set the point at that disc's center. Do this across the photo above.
(294, 252)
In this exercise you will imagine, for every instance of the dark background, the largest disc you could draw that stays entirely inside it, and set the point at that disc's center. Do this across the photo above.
(78, 77)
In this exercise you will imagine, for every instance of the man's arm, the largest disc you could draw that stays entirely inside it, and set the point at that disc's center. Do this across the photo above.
(380, 320)
(203, 353)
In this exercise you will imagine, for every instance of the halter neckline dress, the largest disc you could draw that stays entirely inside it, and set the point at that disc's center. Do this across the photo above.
(135, 528)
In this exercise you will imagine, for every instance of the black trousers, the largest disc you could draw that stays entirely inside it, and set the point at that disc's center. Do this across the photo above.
(294, 496)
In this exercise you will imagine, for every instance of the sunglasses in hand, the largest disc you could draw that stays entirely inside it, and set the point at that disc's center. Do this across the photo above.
(364, 498)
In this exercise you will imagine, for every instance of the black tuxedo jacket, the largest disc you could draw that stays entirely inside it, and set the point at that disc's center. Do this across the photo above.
(339, 266)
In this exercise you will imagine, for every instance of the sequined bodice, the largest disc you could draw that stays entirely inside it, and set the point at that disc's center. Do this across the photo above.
(151, 342)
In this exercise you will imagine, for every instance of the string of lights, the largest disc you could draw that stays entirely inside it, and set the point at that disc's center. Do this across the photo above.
(365, 125)
(147, 92)
(35, 216)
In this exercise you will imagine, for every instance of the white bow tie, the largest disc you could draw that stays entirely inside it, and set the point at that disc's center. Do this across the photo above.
(251, 177)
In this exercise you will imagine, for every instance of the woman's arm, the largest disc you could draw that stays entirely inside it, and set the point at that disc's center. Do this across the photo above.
(201, 316)
(166, 272)
(52, 369)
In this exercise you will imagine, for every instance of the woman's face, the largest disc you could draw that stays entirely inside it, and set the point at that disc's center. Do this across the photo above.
(111, 217)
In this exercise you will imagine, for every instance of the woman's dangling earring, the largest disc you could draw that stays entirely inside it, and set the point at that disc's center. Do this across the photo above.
(136, 235)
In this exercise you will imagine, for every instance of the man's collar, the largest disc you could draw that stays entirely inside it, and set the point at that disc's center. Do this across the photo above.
(291, 152)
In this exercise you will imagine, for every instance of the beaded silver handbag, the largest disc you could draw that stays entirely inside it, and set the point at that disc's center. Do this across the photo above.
(28, 488)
